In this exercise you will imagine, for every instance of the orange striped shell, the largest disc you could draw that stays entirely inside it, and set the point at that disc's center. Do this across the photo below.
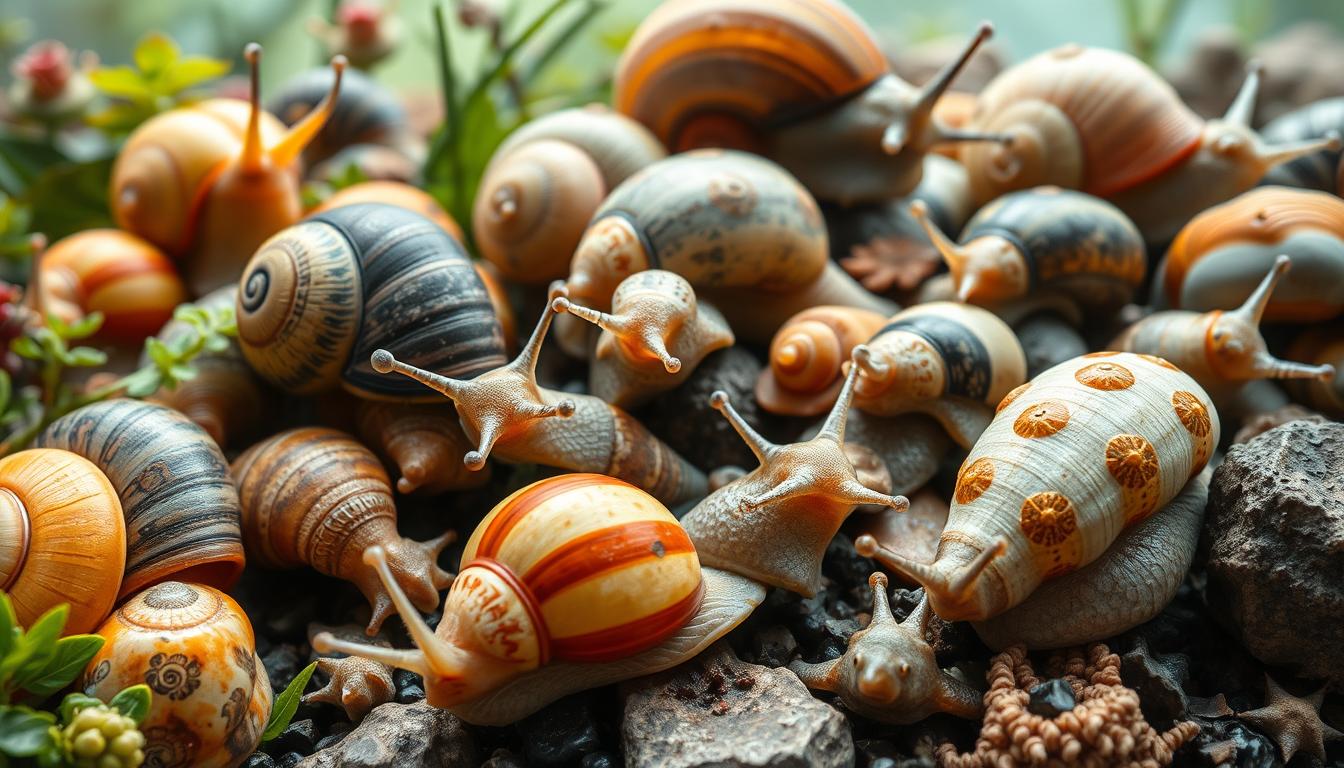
(753, 61)
(579, 567)
(131, 282)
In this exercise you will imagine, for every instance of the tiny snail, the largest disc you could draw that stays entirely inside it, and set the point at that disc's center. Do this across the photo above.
(653, 340)
(1044, 240)
(394, 193)
(804, 83)
(424, 442)
(888, 671)
(546, 180)
(209, 182)
(572, 582)
(1223, 253)
(1103, 122)
(1075, 456)
(1323, 345)
(313, 496)
(1219, 349)
(807, 357)
(365, 31)
(193, 646)
(1320, 170)
(182, 517)
(506, 412)
(62, 537)
(354, 684)
(318, 297)
(796, 499)
(951, 361)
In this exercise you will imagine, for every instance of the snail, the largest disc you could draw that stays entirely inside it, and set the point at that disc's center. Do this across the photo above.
(800, 494)
(181, 511)
(951, 361)
(394, 193)
(133, 284)
(193, 646)
(507, 413)
(318, 297)
(888, 671)
(1219, 349)
(1223, 253)
(313, 496)
(804, 83)
(1102, 122)
(720, 219)
(424, 442)
(572, 582)
(546, 180)
(654, 338)
(209, 182)
(1085, 450)
(62, 537)
(1324, 345)
(1320, 170)
(1044, 240)
(807, 356)
(354, 684)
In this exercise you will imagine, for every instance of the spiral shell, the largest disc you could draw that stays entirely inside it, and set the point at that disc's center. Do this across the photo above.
(394, 193)
(319, 297)
(806, 358)
(193, 646)
(365, 113)
(1318, 171)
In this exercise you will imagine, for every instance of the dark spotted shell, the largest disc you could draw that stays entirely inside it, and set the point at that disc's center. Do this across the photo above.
(1315, 171)
(366, 112)
(319, 297)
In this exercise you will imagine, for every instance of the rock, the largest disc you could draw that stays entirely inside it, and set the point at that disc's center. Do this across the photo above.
(289, 760)
(404, 736)
(410, 686)
(1226, 742)
(503, 758)
(1261, 423)
(773, 646)
(717, 710)
(1051, 698)
(562, 733)
(1048, 340)
(1159, 680)
(299, 736)
(599, 760)
(1273, 544)
(282, 664)
(259, 760)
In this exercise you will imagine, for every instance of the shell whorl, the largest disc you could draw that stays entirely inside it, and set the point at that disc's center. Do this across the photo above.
(173, 606)
(807, 356)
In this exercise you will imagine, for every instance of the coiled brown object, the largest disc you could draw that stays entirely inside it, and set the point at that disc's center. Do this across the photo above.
(424, 442)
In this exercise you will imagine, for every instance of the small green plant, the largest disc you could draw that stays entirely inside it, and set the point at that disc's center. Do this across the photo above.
(282, 711)
(161, 79)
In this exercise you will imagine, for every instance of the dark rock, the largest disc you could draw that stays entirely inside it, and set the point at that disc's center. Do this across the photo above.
(600, 760)
(410, 686)
(1226, 742)
(299, 736)
(404, 736)
(1051, 698)
(282, 664)
(1048, 341)
(773, 646)
(289, 760)
(259, 760)
(1260, 423)
(1159, 680)
(503, 758)
(844, 564)
(717, 710)
(1273, 543)
(560, 734)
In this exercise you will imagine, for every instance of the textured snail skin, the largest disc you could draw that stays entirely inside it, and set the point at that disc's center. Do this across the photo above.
(424, 442)
(356, 685)
(912, 446)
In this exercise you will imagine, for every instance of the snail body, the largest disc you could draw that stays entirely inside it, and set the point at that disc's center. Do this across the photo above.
(807, 356)
(315, 497)
(803, 82)
(318, 297)
(208, 183)
(62, 537)
(1322, 345)
(1320, 170)
(424, 442)
(1075, 456)
(546, 180)
(576, 580)
(1219, 258)
(193, 646)
(653, 340)
(951, 361)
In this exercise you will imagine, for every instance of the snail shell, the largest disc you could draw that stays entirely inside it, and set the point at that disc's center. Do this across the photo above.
(319, 297)
(424, 442)
(807, 356)
(1322, 345)
(182, 518)
(365, 113)
(62, 537)
(193, 646)
(394, 193)
(1318, 171)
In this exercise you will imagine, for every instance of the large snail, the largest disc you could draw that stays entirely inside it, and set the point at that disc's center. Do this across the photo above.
(803, 82)
(1101, 121)
(425, 443)
(1322, 345)
(315, 497)
(508, 414)
(393, 193)
(1320, 170)
(209, 182)
(807, 357)
(951, 361)
(182, 517)
(318, 297)
(1219, 258)
(546, 180)
(572, 582)
(62, 537)
(193, 646)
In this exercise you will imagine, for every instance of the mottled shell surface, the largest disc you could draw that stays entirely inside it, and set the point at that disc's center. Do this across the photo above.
(366, 112)
(752, 61)
(593, 568)
(618, 146)
(193, 646)
(62, 538)
(1313, 121)
(318, 298)
(1075, 456)
(182, 516)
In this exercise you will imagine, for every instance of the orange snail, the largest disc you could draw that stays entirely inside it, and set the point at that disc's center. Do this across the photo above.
(807, 356)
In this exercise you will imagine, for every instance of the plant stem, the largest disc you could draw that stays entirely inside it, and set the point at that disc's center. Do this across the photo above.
(449, 138)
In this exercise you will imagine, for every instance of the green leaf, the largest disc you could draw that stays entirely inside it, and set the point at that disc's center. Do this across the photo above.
(85, 357)
(71, 655)
(286, 703)
(159, 353)
(124, 117)
(193, 70)
(37, 645)
(84, 327)
(23, 731)
(155, 53)
(9, 627)
(182, 372)
(73, 702)
(132, 702)
(122, 83)
(71, 197)
(143, 382)
(26, 346)
(6, 391)
(22, 160)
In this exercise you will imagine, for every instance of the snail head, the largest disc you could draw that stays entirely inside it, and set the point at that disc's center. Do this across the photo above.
(988, 269)
(882, 656)
(956, 586)
(1235, 347)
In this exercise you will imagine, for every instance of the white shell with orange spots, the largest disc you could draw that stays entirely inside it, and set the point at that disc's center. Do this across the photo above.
(1074, 456)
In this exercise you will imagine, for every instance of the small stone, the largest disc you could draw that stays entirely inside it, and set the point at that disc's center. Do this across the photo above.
(1225, 741)
(259, 760)
(289, 760)
(560, 734)
(1052, 698)
(1260, 423)
(1048, 340)
(299, 736)
(1158, 679)
(402, 736)
(282, 664)
(599, 760)
(503, 758)
(773, 646)
(410, 686)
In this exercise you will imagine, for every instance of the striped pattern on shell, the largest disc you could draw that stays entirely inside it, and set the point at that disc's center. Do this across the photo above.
(596, 567)
(758, 61)
(1316, 171)
(366, 112)
(319, 297)
(182, 516)
(1080, 453)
